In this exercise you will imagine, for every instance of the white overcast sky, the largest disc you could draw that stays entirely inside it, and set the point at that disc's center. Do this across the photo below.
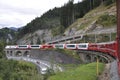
(17, 13)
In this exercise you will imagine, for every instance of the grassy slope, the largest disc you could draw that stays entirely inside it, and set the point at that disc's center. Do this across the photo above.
(84, 72)
(93, 15)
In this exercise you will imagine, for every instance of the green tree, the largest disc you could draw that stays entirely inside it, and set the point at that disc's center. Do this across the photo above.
(38, 41)
(67, 14)
(58, 31)
(2, 45)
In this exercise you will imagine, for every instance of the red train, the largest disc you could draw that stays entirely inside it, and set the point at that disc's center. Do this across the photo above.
(109, 47)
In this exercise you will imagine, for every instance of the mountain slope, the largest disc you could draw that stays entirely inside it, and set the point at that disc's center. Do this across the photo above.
(7, 35)
(102, 17)
(13, 28)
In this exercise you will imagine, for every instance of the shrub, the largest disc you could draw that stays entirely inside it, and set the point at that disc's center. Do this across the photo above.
(107, 20)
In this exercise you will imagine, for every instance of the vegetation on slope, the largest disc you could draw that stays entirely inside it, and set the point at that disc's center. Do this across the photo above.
(104, 15)
(107, 20)
(84, 72)
(2, 45)
(17, 70)
(57, 30)
(4, 32)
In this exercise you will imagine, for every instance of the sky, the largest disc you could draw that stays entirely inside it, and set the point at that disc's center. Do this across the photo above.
(17, 13)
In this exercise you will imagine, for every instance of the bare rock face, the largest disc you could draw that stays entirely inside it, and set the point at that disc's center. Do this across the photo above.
(70, 31)
(32, 38)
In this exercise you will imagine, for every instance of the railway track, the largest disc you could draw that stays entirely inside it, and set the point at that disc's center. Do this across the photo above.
(92, 56)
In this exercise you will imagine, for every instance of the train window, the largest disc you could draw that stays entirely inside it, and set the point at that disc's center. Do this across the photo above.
(35, 46)
(10, 51)
(77, 37)
(59, 46)
(22, 46)
(69, 39)
(70, 45)
(82, 46)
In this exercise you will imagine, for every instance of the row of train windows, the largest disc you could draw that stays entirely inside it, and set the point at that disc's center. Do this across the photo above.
(83, 46)
(31, 46)
(37, 46)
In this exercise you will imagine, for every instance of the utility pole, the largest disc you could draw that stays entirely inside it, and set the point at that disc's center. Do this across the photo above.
(118, 28)
(110, 36)
(118, 34)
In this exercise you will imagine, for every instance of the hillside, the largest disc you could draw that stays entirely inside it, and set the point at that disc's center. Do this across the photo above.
(101, 21)
(48, 26)
(101, 17)
(8, 35)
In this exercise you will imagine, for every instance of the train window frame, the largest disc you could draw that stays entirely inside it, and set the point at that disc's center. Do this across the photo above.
(69, 46)
(83, 47)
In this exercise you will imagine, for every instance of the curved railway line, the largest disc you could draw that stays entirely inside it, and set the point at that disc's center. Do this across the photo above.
(92, 56)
